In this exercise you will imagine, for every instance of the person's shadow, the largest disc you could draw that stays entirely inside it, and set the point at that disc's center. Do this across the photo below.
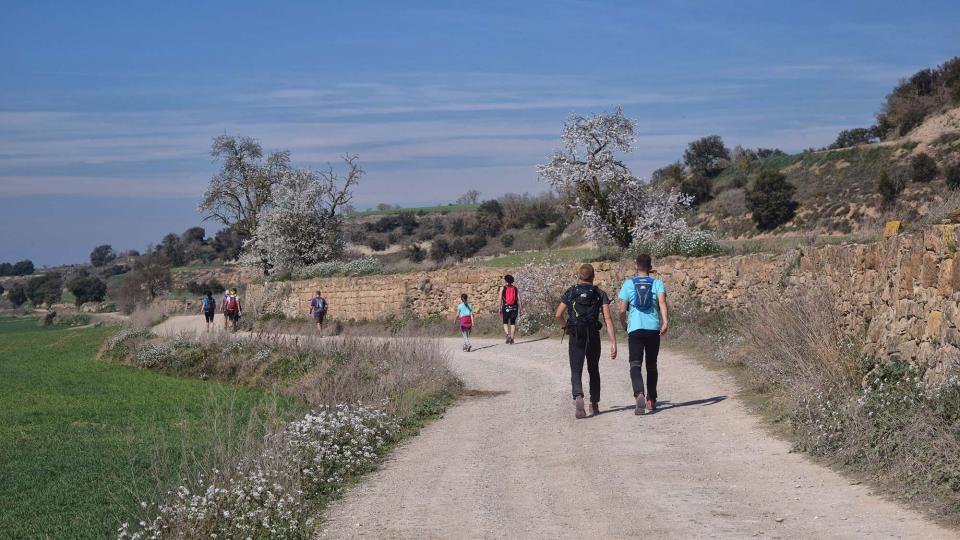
(667, 404)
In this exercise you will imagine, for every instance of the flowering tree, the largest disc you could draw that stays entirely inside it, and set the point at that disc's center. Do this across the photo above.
(616, 206)
(244, 186)
(304, 224)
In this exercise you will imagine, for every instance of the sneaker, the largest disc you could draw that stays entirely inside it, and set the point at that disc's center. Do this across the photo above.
(640, 409)
(594, 408)
(511, 340)
(578, 403)
(651, 405)
(469, 348)
(507, 341)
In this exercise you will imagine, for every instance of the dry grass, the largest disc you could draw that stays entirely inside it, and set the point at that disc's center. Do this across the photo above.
(874, 418)
(320, 371)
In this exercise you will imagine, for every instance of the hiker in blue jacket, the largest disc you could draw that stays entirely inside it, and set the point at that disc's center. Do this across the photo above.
(643, 314)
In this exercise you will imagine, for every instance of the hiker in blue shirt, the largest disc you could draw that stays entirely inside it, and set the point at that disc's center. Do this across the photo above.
(208, 306)
(643, 314)
(465, 320)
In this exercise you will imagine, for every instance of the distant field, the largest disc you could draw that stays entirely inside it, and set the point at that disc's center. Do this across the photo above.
(428, 209)
(82, 441)
(560, 255)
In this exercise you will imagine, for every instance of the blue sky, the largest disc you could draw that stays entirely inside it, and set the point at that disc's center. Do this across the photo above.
(107, 108)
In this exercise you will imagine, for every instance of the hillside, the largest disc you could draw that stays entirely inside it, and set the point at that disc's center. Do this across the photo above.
(836, 190)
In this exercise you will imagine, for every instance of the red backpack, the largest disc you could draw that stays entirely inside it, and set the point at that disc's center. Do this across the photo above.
(233, 305)
(510, 295)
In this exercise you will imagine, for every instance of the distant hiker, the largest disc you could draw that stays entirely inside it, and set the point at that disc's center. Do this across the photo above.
(318, 309)
(223, 309)
(465, 319)
(208, 306)
(233, 310)
(509, 307)
(643, 314)
(580, 312)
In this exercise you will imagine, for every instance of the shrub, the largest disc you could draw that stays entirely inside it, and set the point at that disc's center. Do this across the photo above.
(771, 200)
(696, 186)
(461, 248)
(17, 295)
(537, 212)
(355, 267)
(393, 238)
(952, 174)
(853, 137)
(689, 243)
(439, 250)
(87, 289)
(889, 188)
(416, 253)
(46, 289)
(376, 244)
(923, 168)
(72, 320)
(507, 240)
(212, 284)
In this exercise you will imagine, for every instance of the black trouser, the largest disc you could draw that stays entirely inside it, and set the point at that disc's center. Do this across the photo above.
(644, 341)
(585, 347)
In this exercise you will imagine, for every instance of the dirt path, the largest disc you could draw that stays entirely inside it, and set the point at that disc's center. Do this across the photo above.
(519, 465)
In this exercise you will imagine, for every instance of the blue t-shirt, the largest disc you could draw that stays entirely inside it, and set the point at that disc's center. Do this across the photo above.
(642, 319)
(465, 310)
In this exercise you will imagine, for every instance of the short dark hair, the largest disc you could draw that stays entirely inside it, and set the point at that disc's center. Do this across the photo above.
(207, 292)
(463, 297)
(318, 293)
(644, 262)
(508, 278)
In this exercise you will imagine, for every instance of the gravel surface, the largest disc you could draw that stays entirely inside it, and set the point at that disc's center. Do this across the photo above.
(519, 465)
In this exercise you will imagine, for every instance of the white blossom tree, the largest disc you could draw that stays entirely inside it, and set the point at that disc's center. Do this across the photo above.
(617, 207)
(303, 225)
(243, 187)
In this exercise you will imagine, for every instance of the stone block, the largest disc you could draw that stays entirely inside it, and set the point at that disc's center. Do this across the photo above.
(892, 228)
(934, 326)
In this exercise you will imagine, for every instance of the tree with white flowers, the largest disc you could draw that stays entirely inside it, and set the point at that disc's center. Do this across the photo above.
(304, 223)
(617, 207)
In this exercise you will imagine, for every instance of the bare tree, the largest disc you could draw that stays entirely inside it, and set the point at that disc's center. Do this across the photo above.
(470, 197)
(238, 194)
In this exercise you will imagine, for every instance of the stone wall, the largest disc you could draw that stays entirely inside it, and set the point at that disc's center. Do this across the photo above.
(904, 290)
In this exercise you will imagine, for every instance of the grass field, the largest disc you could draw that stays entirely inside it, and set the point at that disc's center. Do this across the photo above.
(427, 209)
(520, 258)
(83, 441)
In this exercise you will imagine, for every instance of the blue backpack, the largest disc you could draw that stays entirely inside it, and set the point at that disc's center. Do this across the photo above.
(209, 304)
(643, 293)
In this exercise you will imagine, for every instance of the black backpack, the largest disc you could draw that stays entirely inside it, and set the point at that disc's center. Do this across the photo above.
(584, 307)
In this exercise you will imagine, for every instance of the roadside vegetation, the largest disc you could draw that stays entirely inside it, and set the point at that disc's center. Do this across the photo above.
(877, 420)
(364, 395)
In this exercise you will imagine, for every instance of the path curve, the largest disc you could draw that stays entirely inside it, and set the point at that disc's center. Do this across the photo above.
(519, 465)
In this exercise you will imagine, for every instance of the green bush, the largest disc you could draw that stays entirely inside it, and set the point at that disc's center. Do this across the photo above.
(87, 289)
(771, 200)
(507, 240)
(889, 188)
(17, 295)
(923, 168)
(45, 289)
(698, 187)
(952, 174)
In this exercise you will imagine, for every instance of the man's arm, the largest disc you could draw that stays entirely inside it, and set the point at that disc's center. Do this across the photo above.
(561, 311)
(500, 299)
(664, 315)
(611, 332)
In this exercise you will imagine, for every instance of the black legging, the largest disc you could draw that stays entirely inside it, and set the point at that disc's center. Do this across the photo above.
(585, 347)
(640, 342)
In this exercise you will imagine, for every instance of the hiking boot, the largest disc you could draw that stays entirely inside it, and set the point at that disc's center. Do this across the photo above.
(511, 340)
(595, 408)
(469, 348)
(507, 341)
(651, 405)
(578, 403)
(640, 405)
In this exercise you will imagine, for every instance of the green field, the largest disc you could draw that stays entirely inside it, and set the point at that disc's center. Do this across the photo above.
(426, 209)
(520, 258)
(83, 441)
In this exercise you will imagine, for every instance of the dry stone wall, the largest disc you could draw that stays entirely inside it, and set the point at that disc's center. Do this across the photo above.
(902, 294)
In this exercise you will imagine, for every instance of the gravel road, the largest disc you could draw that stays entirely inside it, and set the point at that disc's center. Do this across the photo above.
(519, 465)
